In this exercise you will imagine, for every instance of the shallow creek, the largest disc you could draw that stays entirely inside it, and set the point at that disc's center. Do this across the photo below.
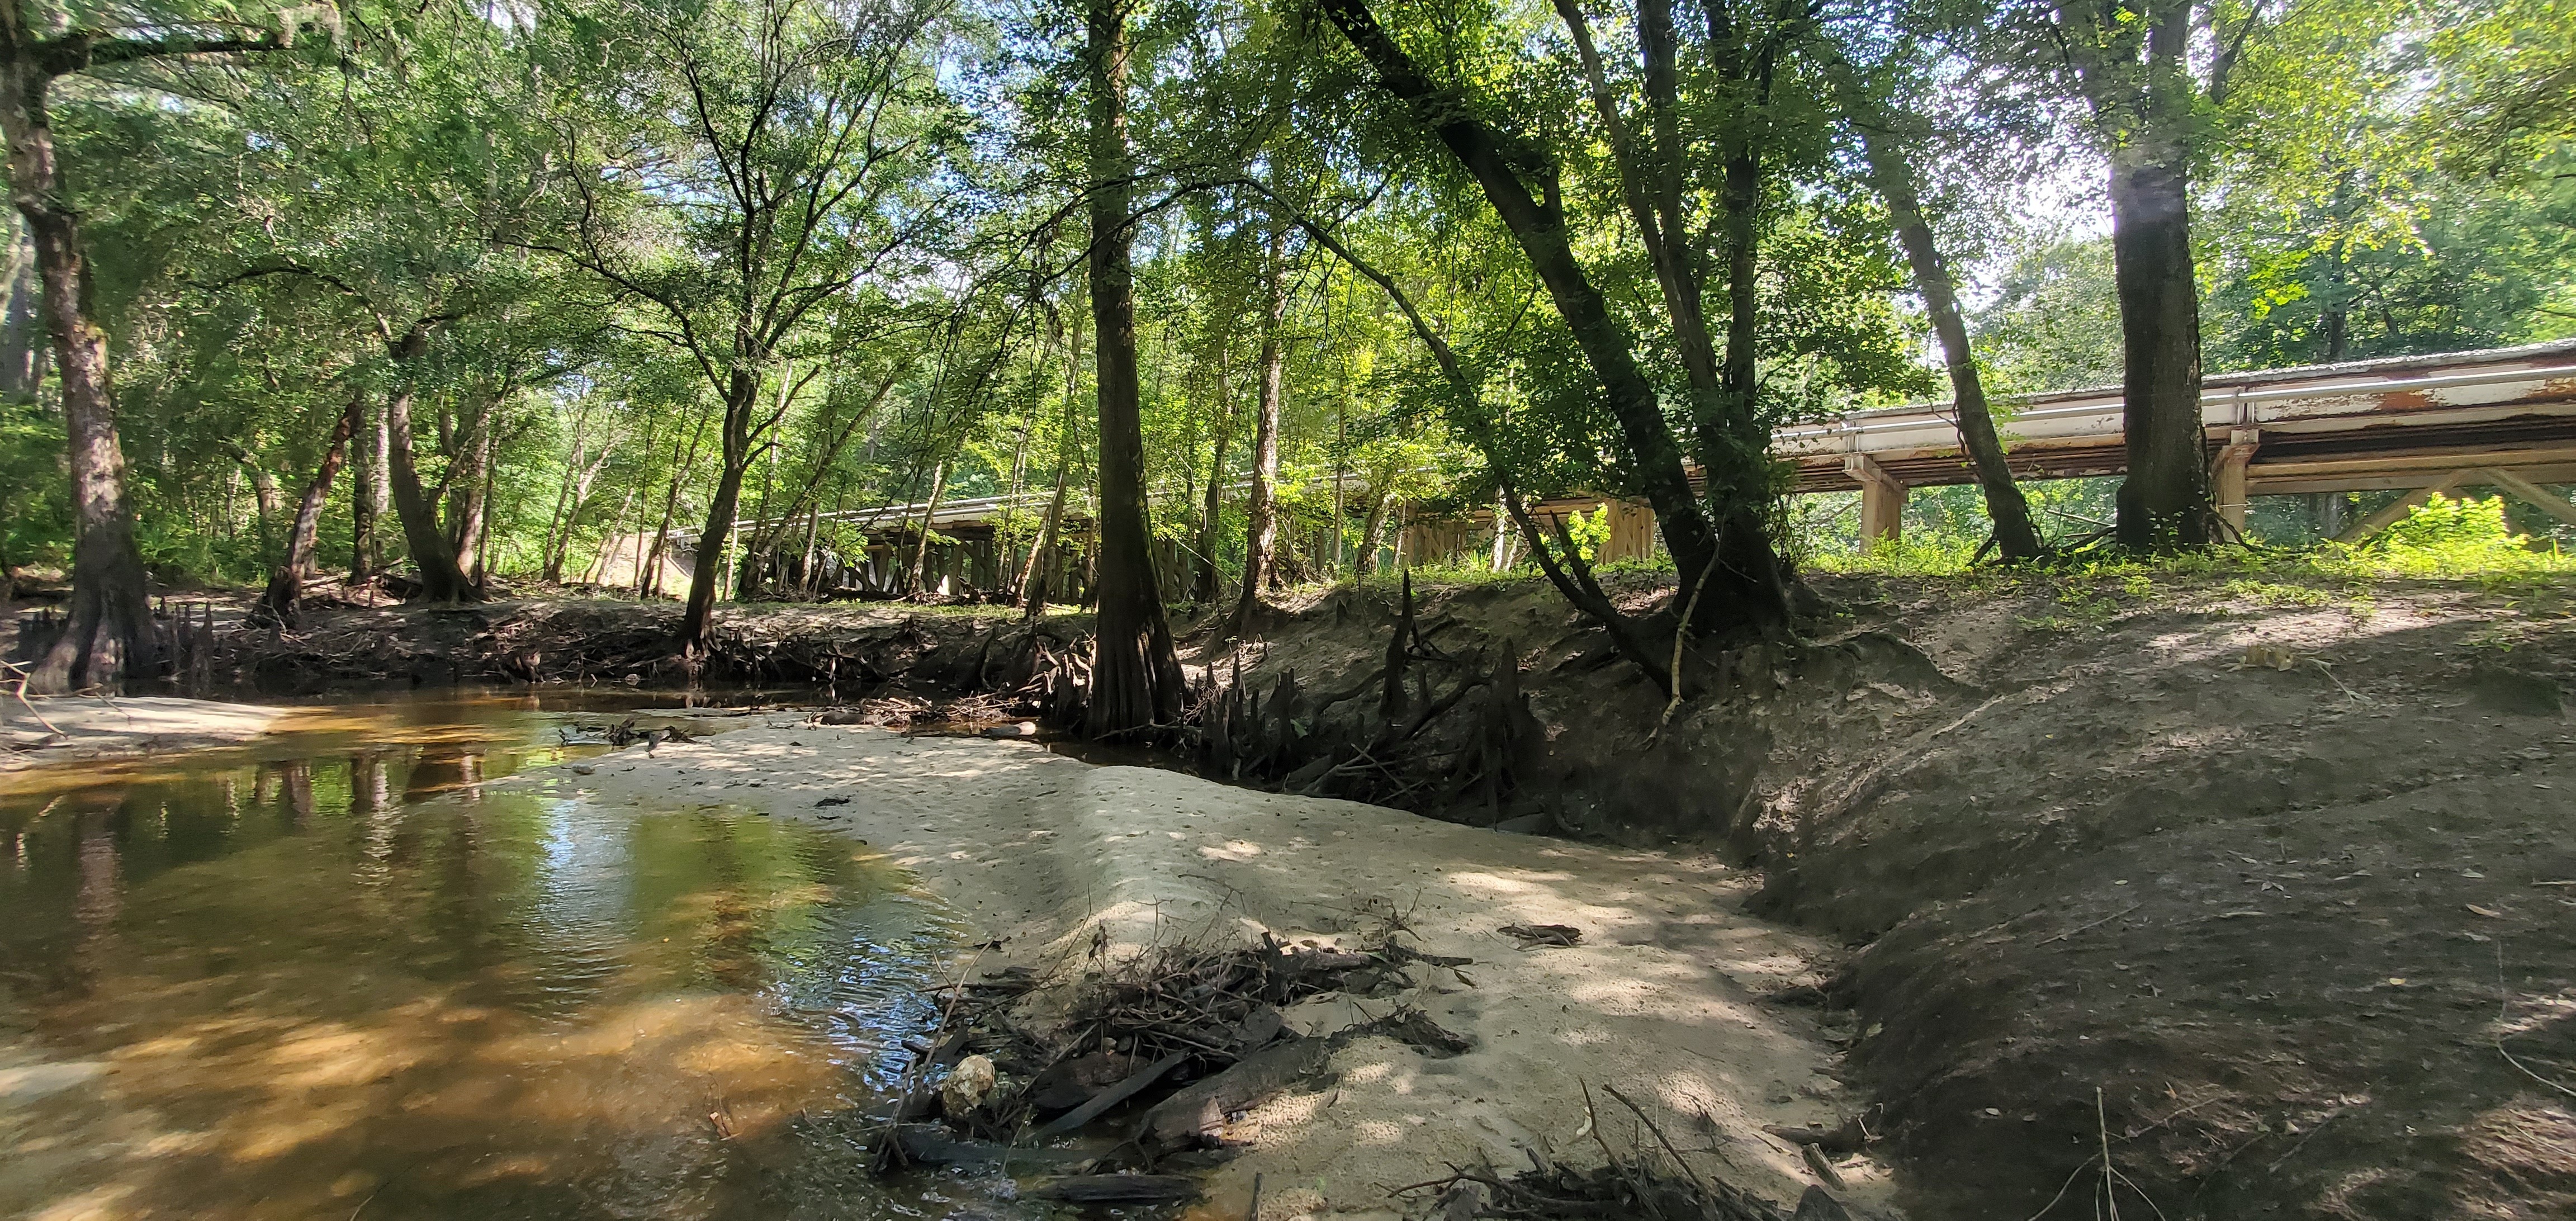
(336, 976)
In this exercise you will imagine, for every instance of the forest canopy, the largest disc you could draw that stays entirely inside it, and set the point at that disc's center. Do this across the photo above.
(723, 298)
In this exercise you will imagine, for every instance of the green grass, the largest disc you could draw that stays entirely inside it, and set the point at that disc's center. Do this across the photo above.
(2445, 540)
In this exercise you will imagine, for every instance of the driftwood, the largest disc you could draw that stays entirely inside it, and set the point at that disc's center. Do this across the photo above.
(1191, 1118)
(1414, 1028)
(1851, 1136)
(1122, 1091)
(1186, 1034)
(924, 1144)
(1109, 1190)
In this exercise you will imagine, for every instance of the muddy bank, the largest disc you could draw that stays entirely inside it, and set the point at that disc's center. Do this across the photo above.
(1065, 864)
(846, 646)
(68, 729)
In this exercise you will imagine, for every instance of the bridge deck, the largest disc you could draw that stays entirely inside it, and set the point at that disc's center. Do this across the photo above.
(2396, 423)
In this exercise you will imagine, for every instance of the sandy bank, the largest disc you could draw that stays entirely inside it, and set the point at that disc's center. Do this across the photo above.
(72, 728)
(1042, 850)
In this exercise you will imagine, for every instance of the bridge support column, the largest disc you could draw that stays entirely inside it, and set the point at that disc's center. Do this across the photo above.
(2227, 476)
(1882, 499)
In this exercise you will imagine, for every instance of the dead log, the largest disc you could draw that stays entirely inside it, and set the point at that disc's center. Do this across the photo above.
(1190, 1118)
(928, 1144)
(1070, 1083)
(1108, 1190)
(1415, 1029)
(1105, 1099)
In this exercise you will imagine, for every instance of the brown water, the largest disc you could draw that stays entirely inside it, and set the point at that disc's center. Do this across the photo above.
(345, 976)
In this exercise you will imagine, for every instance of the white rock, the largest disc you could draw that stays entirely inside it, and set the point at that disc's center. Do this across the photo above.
(967, 1085)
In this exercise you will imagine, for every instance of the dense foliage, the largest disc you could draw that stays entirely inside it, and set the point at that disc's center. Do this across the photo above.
(622, 262)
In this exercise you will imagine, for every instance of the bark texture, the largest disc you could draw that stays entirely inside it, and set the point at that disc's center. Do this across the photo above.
(1892, 173)
(742, 398)
(2165, 501)
(369, 496)
(2131, 66)
(1136, 680)
(110, 640)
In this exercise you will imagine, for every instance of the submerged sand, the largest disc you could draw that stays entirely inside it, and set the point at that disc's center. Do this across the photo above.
(60, 729)
(1049, 855)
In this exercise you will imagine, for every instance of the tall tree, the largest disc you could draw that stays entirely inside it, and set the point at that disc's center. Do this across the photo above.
(804, 128)
(1892, 173)
(1261, 507)
(1136, 680)
(282, 602)
(2129, 60)
(110, 638)
(1725, 543)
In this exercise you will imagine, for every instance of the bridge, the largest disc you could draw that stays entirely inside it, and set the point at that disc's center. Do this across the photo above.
(2503, 418)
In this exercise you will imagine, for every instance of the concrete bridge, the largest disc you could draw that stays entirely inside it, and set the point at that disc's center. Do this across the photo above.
(2502, 417)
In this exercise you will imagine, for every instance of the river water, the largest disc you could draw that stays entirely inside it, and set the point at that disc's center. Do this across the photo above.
(344, 976)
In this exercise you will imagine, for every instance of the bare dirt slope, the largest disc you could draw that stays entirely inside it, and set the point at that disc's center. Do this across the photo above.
(2287, 873)
(1045, 853)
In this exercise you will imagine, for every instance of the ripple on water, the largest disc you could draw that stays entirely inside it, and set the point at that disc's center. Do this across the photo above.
(343, 974)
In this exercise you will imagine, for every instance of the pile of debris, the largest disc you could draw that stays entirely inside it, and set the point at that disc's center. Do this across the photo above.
(1646, 1180)
(1146, 1061)
(988, 713)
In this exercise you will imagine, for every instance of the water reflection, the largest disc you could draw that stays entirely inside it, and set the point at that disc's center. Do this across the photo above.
(345, 975)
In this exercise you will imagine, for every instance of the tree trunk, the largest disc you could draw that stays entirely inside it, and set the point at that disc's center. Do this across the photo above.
(440, 578)
(110, 640)
(264, 495)
(481, 570)
(561, 553)
(282, 604)
(1892, 171)
(368, 493)
(22, 327)
(1204, 590)
(648, 574)
(1373, 535)
(1261, 507)
(1033, 579)
(1004, 562)
(2335, 322)
(549, 566)
(469, 468)
(1136, 680)
(742, 396)
(918, 575)
(2165, 501)
(1068, 450)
